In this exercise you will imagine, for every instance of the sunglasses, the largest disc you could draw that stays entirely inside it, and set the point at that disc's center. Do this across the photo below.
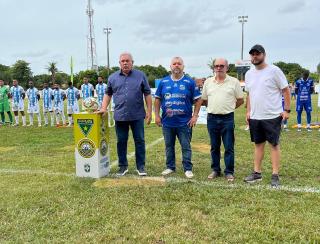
(219, 66)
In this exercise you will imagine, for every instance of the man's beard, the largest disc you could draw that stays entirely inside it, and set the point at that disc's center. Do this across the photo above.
(258, 63)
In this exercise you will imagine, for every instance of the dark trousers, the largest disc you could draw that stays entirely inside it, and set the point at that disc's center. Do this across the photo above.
(122, 131)
(221, 127)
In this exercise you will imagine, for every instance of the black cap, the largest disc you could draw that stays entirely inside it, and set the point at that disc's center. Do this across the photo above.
(257, 48)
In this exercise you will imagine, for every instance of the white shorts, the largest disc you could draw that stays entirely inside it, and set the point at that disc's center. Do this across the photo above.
(73, 109)
(58, 109)
(46, 110)
(17, 106)
(33, 109)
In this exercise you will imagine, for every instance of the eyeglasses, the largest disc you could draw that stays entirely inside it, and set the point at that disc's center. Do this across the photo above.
(219, 66)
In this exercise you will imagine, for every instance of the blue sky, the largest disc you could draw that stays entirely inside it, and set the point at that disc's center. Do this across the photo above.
(41, 31)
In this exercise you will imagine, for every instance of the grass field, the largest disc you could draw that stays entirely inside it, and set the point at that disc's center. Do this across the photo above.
(41, 200)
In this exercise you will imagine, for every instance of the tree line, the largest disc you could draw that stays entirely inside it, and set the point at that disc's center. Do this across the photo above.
(21, 71)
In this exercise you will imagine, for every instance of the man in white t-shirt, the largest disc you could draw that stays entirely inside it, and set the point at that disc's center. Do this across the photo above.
(265, 85)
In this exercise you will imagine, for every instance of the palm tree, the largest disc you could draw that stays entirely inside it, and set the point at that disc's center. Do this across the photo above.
(52, 68)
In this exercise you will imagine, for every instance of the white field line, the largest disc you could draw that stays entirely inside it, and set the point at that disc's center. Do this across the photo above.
(306, 189)
(259, 187)
(31, 172)
(42, 172)
(246, 186)
(132, 154)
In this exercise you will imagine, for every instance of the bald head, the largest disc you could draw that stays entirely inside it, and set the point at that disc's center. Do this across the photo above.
(177, 66)
(179, 59)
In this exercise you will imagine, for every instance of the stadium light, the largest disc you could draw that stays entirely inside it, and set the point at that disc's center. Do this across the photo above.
(242, 19)
(107, 30)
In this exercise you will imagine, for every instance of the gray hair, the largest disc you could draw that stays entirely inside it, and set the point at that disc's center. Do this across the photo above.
(126, 53)
(226, 61)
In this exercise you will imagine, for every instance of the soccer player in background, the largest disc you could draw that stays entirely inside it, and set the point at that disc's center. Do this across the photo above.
(33, 96)
(73, 96)
(304, 87)
(18, 94)
(4, 103)
(47, 97)
(87, 89)
(101, 89)
(58, 97)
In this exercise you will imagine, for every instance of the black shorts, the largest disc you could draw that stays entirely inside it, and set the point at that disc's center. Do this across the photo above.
(265, 130)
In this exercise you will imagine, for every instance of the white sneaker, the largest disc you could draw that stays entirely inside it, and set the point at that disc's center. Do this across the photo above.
(39, 125)
(167, 172)
(189, 174)
(30, 125)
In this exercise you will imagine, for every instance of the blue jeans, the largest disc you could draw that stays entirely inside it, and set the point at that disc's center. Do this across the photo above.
(221, 126)
(122, 131)
(184, 134)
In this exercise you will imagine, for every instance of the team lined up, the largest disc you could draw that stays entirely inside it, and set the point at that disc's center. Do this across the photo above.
(52, 101)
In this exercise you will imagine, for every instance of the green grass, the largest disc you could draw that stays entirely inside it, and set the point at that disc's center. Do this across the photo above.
(39, 207)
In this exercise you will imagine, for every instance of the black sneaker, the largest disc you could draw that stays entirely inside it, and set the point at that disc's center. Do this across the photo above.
(254, 177)
(275, 181)
(122, 171)
(141, 172)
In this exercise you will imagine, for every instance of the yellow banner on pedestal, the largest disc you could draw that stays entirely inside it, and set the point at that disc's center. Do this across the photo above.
(91, 135)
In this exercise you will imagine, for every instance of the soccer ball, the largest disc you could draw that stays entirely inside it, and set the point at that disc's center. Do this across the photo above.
(90, 104)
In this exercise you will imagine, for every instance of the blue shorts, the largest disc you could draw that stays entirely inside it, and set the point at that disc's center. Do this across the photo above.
(306, 105)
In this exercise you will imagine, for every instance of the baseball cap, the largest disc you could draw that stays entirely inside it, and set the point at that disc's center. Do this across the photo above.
(257, 48)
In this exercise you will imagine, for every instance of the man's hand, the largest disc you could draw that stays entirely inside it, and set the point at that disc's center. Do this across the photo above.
(247, 117)
(285, 115)
(193, 121)
(148, 118)
(158, 120)
(101, 111)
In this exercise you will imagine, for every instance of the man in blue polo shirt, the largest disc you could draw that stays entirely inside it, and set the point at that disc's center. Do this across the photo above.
(176, 94)
(304, 87)
(128, 86)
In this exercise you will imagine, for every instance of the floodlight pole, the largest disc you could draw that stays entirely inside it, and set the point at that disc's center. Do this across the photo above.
(242, 20)
(107, 30)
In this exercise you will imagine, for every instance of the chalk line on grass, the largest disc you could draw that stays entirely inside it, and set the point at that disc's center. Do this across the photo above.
(258, 186)
(306, 189)
(31, 172)
(42, 172)
(132, 154)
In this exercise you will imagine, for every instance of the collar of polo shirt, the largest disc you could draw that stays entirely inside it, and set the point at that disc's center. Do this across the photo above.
(121, 73)
(215, 79)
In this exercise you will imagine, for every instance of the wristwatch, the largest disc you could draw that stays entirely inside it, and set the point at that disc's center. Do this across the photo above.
(287, 110)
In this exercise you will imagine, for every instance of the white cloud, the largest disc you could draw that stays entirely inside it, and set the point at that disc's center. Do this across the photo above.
(293, 6)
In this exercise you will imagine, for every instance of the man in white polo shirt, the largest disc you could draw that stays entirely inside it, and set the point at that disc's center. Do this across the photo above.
(223, 94)
(265, 84)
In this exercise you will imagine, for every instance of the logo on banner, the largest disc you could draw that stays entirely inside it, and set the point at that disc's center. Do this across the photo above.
(86, 148)
(85, 126)
(87, 168)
